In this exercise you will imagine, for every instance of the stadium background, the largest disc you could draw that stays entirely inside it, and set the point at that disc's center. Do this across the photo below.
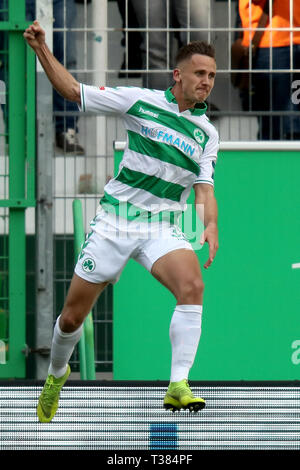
(250, 327)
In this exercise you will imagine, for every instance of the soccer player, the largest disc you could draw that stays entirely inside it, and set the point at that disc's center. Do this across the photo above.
(171, 148)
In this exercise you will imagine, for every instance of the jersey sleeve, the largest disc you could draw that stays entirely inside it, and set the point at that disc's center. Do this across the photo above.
(106, 100)
(208, 160)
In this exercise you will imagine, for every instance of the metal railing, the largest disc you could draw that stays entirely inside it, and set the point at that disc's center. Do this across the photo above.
(86, 343)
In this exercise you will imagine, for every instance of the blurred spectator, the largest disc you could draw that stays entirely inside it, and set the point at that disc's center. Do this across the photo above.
(65, 126)
(173, 14)
(131, 40)
(273, 90)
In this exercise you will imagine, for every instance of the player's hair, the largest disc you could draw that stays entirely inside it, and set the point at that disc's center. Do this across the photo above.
(195, 47)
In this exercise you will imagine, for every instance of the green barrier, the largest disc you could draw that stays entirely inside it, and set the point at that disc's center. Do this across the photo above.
(18, 67)
(250, 326)
(86, 343)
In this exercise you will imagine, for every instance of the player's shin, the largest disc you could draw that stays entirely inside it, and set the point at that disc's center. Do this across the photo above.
(62, 348)
(185, 331)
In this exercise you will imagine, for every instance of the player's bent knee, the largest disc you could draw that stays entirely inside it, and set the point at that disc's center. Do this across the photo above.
(70, 321)
(191, 292)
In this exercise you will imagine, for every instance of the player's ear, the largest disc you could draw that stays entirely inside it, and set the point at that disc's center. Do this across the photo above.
(177, 75)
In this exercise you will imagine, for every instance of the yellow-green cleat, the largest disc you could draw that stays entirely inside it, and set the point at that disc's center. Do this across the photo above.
(179, 395)
(48, 401)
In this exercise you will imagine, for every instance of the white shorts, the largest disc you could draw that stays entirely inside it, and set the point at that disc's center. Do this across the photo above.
(113, 240)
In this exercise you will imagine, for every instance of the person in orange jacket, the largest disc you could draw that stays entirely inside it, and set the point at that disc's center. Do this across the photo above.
(278, 49)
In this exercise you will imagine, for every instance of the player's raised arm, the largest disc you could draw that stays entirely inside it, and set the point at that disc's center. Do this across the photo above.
(60, 78)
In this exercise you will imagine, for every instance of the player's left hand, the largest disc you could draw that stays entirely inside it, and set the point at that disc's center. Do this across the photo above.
(35, 35)
(210, 235)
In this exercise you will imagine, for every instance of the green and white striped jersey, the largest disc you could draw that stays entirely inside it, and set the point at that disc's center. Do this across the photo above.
(166, 153)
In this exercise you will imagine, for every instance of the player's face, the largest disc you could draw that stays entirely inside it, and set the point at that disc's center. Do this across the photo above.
(196, 77)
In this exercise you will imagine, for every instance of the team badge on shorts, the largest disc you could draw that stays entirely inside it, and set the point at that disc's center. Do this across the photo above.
(88, 265)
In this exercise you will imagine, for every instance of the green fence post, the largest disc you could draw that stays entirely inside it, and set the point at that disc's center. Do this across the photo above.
(16, 130)
(19, 68)
(30, 125)
(86, 343)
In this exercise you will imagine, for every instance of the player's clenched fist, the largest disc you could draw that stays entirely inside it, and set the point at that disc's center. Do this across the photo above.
(35, 35)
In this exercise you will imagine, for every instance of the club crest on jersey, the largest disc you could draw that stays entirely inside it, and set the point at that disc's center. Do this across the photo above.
(199, 136)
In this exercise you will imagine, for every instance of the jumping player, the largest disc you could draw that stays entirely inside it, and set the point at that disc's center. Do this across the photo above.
(171, 148)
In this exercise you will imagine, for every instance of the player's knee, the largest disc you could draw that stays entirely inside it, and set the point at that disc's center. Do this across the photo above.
(191, 291)
(69, 321)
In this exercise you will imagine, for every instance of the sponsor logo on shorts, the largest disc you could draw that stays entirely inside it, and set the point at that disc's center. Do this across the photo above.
(88, 265)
